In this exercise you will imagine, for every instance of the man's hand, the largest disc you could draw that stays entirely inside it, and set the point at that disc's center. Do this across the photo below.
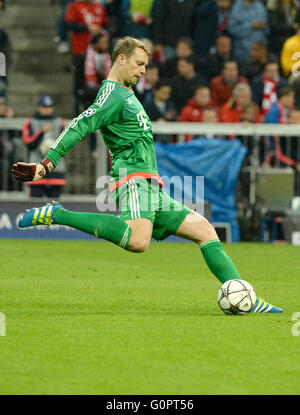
(27, 172)
(94, 29)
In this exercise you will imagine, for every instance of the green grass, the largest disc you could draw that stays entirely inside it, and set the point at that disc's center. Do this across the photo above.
(90, 318)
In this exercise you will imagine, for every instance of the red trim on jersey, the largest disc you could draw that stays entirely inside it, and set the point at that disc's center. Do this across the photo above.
(123, 86)
(53, 182)
(137, 175)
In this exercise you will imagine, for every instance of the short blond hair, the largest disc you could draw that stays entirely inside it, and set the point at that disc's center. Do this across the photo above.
(127, 46)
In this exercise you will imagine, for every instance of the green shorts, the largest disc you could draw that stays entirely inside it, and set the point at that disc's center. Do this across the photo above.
(143, 198)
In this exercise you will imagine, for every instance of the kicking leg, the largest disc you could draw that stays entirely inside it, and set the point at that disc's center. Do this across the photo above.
(196, 228)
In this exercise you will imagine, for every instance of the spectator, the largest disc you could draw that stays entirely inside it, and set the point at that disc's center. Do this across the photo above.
(84, 18)
(39, 133)
(193, 111)
(266, 86)
(233, 110)
(2, 4)
(154, 57)
(184, 49)
(97, 66)
(216, 58)
(172, 20)
(161, 108)
(195, 108)
(223, 7)
(248, 23)
(222, 85)
(115, 21)
(259, 56)
(285, 151)
(290, 48)
(62, 30)
(5, 48)
(284, 17)
(6, 147)
(205, 25)
(279, 112)
(250, 114)
(145, 87)
(5, 111)
(294, 83)
(185, 83)
(210, 116)
(137, 18)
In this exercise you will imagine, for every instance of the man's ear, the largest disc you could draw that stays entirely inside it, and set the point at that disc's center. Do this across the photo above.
(121, 59)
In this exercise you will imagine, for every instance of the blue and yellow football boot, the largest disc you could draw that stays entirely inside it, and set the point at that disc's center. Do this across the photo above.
(39, 216)
(262, 306)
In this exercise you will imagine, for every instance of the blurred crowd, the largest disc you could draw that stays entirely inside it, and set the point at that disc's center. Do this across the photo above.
(215, 60)
(212, 61)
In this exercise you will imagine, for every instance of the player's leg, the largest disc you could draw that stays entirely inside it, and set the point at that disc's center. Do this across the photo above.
(141, 231)
(100, 225)
(133, 235)
(131, 231)
(197, 229)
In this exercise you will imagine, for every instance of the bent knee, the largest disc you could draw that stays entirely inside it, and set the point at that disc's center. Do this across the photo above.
(138, 245)
(208, 233)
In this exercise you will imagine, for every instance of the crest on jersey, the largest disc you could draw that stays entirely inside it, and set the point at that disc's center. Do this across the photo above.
(89, 112)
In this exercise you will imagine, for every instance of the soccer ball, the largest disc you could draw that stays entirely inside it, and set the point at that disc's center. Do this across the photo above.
(236, 297)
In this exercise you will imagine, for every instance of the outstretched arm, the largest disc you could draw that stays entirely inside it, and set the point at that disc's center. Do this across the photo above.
(106, 110)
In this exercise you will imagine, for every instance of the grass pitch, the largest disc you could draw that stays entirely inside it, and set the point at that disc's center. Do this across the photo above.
(90, 318)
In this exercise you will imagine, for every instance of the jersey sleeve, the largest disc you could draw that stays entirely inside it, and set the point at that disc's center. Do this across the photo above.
(106, 110)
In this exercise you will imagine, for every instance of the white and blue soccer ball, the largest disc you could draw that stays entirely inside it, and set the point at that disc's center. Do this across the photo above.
(236, 297)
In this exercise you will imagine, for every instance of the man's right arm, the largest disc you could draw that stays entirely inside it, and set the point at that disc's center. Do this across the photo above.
(106, 110)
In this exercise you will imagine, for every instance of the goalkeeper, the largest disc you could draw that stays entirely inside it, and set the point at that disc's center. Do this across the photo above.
(146, 210)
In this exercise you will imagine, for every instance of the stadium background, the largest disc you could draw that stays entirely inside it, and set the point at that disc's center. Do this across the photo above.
(83, 317)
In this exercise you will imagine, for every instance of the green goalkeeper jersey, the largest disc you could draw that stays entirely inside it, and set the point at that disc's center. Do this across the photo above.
(126, 130)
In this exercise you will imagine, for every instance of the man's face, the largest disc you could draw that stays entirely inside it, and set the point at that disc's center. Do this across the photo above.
(183, 50)
(184, 68)
(243, 98)
(223, 46)
(230, 71)
(134, 67)
(202, 96)
(271, 71)
(45, 111)
(257, 52)
(152, 75)
(288, 100)
(163, 93)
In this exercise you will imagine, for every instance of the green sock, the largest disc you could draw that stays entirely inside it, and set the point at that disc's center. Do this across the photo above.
(101, 225)
(218, 261)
